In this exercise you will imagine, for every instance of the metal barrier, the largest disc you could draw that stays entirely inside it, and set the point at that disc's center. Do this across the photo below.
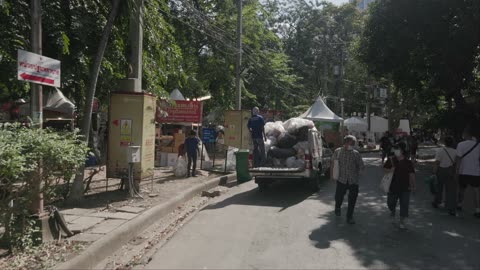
(218, 156)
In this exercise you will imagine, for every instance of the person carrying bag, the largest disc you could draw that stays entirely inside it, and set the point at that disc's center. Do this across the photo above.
(468, 168)
(444, 169)
(402, 184)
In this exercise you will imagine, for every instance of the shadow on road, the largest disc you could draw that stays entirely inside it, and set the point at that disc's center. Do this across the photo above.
(433, 240)
(279, 194)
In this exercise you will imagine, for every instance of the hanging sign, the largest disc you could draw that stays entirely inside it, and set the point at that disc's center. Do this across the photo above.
(37, 68)
(182, 111)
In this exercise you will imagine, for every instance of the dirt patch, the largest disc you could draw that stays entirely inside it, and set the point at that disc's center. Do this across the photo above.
(45, 256)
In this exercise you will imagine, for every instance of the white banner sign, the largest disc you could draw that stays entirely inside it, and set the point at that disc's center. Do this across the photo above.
(38, 69)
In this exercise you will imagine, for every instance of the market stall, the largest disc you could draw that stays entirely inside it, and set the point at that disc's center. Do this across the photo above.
(325, 120)
(176, 117)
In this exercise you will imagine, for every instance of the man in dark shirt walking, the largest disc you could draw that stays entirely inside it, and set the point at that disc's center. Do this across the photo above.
(256, 126)
(403, 183)
(191, 146)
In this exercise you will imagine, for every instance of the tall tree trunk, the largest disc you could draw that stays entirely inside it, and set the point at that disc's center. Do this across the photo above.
(76, 192)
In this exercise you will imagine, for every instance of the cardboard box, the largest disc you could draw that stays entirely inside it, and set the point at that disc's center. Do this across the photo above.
(171, 159)
(179, 138)
(167, 149)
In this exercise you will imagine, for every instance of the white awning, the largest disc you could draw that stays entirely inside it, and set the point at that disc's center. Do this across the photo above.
(320, 112)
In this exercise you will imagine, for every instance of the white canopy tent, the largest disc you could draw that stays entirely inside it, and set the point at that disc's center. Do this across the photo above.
(356, 124)
(176, 95)
(404, 126)
(320, 112)
(56, 101)
(378, 124)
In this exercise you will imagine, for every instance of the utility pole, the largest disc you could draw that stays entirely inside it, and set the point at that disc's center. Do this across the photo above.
(367, 109)
(325, 66)
(238, 67)
(136, 44)
(36, 95)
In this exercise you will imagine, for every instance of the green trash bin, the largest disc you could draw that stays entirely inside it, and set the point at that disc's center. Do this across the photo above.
(241, 158)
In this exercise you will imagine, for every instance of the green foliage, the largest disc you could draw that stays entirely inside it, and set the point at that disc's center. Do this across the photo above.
(28, 154)
(321, 36)
(428, 49)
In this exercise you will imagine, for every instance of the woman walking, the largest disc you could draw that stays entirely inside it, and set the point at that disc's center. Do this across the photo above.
(444, 169)
(403, 182)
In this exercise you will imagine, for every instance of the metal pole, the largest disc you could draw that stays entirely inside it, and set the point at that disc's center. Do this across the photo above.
(226, 159)
(238, 67)
(340, 76)
(368, 110)
(201, 158)
(136, 42)
(36, 95)
(36, 106)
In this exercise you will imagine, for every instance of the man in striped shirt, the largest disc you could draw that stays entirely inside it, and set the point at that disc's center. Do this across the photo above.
(350, 164)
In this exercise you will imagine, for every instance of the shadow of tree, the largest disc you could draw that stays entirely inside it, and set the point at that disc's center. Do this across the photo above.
(433, 239)
(280, 194)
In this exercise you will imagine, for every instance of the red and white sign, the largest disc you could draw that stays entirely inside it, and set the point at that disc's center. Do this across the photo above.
(182, 111)
(38, 69)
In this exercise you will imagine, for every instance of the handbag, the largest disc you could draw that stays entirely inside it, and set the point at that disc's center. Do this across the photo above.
(335, 170)
(336, 165)
(386, 182)
(452, 168)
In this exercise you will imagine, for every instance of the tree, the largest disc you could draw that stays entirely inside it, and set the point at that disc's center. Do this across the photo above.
(77, 186)
(424, 46)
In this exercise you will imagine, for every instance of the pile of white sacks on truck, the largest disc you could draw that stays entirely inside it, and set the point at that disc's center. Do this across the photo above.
(287, 142)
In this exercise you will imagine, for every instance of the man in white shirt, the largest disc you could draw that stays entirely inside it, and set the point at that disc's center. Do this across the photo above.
(468, 168)
(444, 169)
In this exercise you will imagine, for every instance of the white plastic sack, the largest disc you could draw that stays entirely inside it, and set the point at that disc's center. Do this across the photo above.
(293, 124)
(301, 146)
(273, 140)
(231, 161)
(268, 145)
(180, 168)
(207, 164)
(274, 129)
(386, 181)
(335, 170)
(290, 161)
(278, 163)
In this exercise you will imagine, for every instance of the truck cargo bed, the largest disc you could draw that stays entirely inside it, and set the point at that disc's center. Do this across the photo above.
(275, 170)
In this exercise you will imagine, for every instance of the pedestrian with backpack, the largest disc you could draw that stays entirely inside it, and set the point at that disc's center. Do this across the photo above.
(444, 169)
(468, 168)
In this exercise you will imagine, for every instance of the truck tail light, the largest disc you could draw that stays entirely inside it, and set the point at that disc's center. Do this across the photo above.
(308, 161)
(250, 160)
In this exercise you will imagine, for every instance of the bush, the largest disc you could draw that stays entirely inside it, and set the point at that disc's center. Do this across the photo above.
(28, 154)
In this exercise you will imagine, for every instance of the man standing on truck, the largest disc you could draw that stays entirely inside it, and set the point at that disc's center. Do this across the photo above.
(256, 125)
(350, 164)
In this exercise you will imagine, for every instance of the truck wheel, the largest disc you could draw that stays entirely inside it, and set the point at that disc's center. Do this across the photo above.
(262, 187)
(314, 182)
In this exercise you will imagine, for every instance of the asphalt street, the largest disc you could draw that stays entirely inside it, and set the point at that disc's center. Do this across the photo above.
(289, 227)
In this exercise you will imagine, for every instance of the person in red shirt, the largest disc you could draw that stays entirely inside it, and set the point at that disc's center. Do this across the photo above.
(403, 182)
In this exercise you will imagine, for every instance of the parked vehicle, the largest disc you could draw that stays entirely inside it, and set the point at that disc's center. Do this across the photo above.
(316, 164)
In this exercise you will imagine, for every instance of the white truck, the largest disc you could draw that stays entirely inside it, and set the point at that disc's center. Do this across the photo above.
(317, 163)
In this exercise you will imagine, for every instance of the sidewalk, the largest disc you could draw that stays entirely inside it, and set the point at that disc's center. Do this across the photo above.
(105, 220)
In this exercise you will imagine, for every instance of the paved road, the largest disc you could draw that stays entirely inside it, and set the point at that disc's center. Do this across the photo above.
(288, 227)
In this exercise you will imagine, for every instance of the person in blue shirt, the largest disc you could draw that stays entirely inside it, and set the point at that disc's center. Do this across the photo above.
(191, 147)
(256, 126)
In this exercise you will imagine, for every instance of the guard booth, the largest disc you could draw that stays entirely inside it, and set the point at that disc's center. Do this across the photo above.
(131, 122)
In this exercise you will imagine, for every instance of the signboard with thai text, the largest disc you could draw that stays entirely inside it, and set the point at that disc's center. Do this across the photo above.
(37, 68)
(182, 111)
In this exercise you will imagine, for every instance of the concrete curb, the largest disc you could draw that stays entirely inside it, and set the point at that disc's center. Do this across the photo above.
(108, 244)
